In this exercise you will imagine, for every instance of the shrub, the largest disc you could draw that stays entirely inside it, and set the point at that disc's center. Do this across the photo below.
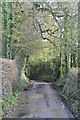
(69, 89)
(9, 103)
(40, 66)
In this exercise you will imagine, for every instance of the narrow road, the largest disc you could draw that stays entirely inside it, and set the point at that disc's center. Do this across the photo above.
(41, 101)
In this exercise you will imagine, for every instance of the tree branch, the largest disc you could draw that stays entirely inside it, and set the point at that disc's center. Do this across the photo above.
(41, 31)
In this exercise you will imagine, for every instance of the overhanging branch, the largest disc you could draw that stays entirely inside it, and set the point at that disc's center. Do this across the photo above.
(41, 32)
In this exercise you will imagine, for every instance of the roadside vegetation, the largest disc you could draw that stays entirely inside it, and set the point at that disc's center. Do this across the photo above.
(9, 104)
(69, 90)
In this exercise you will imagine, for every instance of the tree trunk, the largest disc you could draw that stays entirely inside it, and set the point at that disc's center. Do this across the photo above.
(7, 17)
(66, 65)
(74, 60)
(61, 72)
(79, 56)
(71, 60)
(20, 61)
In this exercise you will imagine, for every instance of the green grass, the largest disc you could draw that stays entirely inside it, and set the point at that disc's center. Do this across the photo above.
(62, 81)
(12, 99)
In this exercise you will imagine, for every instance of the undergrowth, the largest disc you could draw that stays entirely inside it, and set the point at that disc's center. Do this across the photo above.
(10, 102)
(46, 78)
(69, 90)
(13, 98)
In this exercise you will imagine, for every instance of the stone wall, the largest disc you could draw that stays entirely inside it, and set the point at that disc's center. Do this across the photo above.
(9, 77)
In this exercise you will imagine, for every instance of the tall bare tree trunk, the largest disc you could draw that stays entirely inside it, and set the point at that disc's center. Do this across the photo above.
(79, 57)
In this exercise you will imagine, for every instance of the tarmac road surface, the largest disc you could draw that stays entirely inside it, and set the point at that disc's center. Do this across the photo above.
(41, 101)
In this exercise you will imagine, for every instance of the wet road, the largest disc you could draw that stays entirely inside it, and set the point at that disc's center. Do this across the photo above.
(41, 101)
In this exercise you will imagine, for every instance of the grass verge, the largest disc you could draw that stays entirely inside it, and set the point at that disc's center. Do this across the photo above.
(9, 103)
